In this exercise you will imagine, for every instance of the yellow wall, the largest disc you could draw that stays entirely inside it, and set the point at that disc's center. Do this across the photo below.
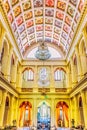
(11, 78)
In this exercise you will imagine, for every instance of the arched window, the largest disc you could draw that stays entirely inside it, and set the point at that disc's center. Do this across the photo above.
(28, 75)
(59, 75)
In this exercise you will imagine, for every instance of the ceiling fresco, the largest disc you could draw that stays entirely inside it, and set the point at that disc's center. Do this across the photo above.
(52, 20)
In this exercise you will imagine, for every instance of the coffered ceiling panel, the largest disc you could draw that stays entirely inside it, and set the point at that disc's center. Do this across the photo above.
(53, 21)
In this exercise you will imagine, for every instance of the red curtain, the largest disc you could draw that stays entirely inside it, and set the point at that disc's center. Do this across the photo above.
(22, 110)
(57, 115)
(65, 109)
(66, 112)
(29, 115)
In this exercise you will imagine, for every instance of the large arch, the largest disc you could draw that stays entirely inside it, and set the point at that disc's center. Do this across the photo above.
(56, 47)
(62, 119)
(44, 115)
(25, 113)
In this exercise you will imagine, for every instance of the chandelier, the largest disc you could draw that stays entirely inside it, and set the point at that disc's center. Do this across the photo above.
(42, 53)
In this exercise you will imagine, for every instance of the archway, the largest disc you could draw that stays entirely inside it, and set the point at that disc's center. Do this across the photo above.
(62, 119)
(25, 114)
(6, 111)
(44, 116)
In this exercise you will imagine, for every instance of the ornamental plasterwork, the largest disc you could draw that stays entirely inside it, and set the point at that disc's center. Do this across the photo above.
(55, 20)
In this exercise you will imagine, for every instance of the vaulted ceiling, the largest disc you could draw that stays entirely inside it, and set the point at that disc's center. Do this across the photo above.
(53, 21)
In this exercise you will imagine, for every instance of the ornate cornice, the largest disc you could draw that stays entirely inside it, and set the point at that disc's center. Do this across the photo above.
(82, 85)
(4, 84)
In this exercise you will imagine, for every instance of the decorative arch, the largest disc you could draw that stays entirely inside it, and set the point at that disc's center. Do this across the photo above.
(34, 45)
(59, 74)
(28, 74)
(25, 113)
(62, 114)
(42, 103)
(43, 115)
(27, 68)
(82, 48)
(59, 68)
(6, 47)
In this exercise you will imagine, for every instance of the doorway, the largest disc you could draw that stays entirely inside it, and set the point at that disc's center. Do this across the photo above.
(44, 117)
(25, 114)
(62, 119)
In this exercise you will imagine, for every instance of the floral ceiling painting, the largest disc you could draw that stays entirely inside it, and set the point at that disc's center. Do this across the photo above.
(53, 20)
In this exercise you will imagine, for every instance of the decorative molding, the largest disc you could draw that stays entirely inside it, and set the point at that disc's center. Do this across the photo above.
(78, 33)
(27, 89)
(60, 89)
(4, 84)
(82, 85)
(10, 35)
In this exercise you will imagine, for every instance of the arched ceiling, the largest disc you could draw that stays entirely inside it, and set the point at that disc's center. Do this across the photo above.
(52, 20)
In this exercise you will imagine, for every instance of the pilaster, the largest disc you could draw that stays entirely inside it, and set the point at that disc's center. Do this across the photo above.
(36, 79)
(73, 73)
(78, 63)
(84, 32)
(84, 108)
(2, 108)
(2, 38)
(14, 73)
(52, 112)
(52, 83)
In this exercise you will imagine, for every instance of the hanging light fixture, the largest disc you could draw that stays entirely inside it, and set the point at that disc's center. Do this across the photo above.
(42, 53)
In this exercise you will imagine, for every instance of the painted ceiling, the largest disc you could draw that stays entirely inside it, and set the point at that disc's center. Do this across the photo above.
(52, 20)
